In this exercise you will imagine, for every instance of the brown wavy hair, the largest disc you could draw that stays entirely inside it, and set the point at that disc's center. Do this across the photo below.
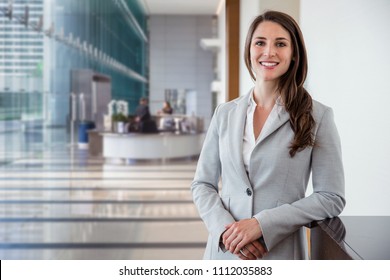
(297, 101)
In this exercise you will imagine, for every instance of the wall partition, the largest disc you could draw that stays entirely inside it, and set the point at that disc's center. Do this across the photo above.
(21, 57)
(109, 37)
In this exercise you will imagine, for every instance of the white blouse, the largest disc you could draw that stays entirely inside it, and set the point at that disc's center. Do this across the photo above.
(249, 141)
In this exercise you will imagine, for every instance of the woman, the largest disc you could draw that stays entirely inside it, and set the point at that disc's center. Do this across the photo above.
(263, 147)
(166, 109)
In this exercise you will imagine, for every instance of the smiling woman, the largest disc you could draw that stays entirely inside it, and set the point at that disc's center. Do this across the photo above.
(263, 147)
(271, 51)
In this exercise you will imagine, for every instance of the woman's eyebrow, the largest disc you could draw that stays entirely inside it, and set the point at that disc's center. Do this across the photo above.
(264, 38)
(258, 37)
(281, 38)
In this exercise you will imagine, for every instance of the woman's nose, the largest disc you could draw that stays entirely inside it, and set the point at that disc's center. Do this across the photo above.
(269, 51)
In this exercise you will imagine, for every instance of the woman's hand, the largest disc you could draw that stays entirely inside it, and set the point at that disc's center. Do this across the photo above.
(252, 251)
(240, 234)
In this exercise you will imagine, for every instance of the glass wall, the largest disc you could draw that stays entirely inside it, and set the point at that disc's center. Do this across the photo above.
(21, 57)
(42, 41)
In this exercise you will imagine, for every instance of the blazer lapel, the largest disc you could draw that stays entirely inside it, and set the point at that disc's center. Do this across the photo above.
(282, 117)
(236, 121)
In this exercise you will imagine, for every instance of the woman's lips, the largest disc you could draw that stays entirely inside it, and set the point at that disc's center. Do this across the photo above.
(268, 63)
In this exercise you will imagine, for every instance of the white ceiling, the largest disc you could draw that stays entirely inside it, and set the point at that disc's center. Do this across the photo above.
(181, 7)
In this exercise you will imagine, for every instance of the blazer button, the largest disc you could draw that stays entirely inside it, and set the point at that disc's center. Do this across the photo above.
(248, 192)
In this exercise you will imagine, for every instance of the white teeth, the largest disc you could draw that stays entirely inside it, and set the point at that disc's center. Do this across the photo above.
(268, 64)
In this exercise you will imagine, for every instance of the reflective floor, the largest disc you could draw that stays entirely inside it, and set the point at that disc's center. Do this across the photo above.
(57, 202)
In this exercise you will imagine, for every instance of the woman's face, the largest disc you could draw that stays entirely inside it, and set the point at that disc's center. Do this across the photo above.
(271, 51)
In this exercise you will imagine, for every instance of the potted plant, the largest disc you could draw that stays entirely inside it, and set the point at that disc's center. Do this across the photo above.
(119, 121)
(118, 110)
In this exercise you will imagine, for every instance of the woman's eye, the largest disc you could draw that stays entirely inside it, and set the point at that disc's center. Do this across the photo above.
(260, 43)
(280, 44)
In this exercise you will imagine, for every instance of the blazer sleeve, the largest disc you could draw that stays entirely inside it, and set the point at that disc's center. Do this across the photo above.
(205, 185)
(327, 199)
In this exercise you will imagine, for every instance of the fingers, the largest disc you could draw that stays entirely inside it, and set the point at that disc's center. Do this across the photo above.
(257, 249)
(234, 241)
(227, 238)
(242, 256)
(239, 234)
(246, 254)
(240, 245)
(252, 251)
(230, 240)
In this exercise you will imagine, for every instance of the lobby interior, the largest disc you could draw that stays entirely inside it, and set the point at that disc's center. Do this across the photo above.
(61, 201)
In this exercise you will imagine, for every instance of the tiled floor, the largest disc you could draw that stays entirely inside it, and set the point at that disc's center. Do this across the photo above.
(56, 202)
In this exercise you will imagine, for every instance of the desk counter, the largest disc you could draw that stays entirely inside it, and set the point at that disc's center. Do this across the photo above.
(151, 146)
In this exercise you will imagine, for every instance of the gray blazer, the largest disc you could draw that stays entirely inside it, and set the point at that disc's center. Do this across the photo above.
(274, 189)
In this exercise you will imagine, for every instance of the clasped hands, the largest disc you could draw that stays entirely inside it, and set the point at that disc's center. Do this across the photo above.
(241, 238)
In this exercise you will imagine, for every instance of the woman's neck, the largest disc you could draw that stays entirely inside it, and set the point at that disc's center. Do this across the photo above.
(265, 94)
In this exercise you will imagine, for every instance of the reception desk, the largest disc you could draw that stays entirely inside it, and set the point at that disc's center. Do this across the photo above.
(351, 238)
(151, 146)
